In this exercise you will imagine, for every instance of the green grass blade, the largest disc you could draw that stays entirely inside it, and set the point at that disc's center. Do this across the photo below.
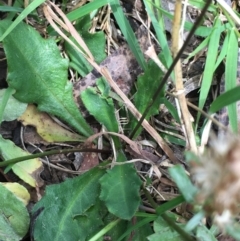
(204, 43)
(231, 75)
(32, 6)
(160, 33)
(10, 9)
(183, 182)
(136, 226)
(201, 30)
(86, 9)
(223, 52)
(210, 64)
(128, 32)
(170, 204)
(225, 99)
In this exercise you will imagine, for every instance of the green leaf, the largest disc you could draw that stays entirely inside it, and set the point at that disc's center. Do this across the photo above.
(91, 220)
(210, 64)
(140, 234)
(127, 32)
(67, 206)
(12, 25)
(112, 225)
(120, 191)
(225, 99)
(233, 230)
(44, 79)
(101, 107)
(140, 224)
(231, 76)
(194, 221)
(10, 9)
(95, 43)
(86, 9)
(170, 204)
(146, 87)
(160, 33)
(202, 31)
(183, 182)
(13, 109)
(28, 170)
(203, 233)
(164, 232)
(223, 52)
(117, 230)
(172, 109)
(14, 218)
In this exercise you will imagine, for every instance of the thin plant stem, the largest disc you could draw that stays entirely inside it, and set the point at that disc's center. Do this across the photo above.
(48, 153)
(105, 230)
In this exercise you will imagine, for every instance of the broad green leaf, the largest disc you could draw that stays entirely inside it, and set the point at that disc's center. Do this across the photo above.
(203, 233)
(66, 207)
(14, 217)
(146, 87)
(91, 220)
(164, 232)
(19, 191)
(120, 191)
(95, 43)
(29, 170)
(183, 182)
(13, 108)
(44, 79)
(101, 107)
(231, 76)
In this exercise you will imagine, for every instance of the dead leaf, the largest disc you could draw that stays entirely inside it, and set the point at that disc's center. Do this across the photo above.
(49, 130)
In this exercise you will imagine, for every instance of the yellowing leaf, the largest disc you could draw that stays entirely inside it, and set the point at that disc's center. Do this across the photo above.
(49, 130)
(14, 217)
(29, 170)
(18, 190)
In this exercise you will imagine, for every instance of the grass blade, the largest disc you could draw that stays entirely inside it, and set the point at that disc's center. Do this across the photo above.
(128, 33)
(231, 75)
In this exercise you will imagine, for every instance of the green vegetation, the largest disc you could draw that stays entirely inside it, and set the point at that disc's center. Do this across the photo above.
(114, 199)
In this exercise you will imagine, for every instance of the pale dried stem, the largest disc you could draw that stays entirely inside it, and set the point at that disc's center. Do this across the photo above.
(183, 111)
(230, 11)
